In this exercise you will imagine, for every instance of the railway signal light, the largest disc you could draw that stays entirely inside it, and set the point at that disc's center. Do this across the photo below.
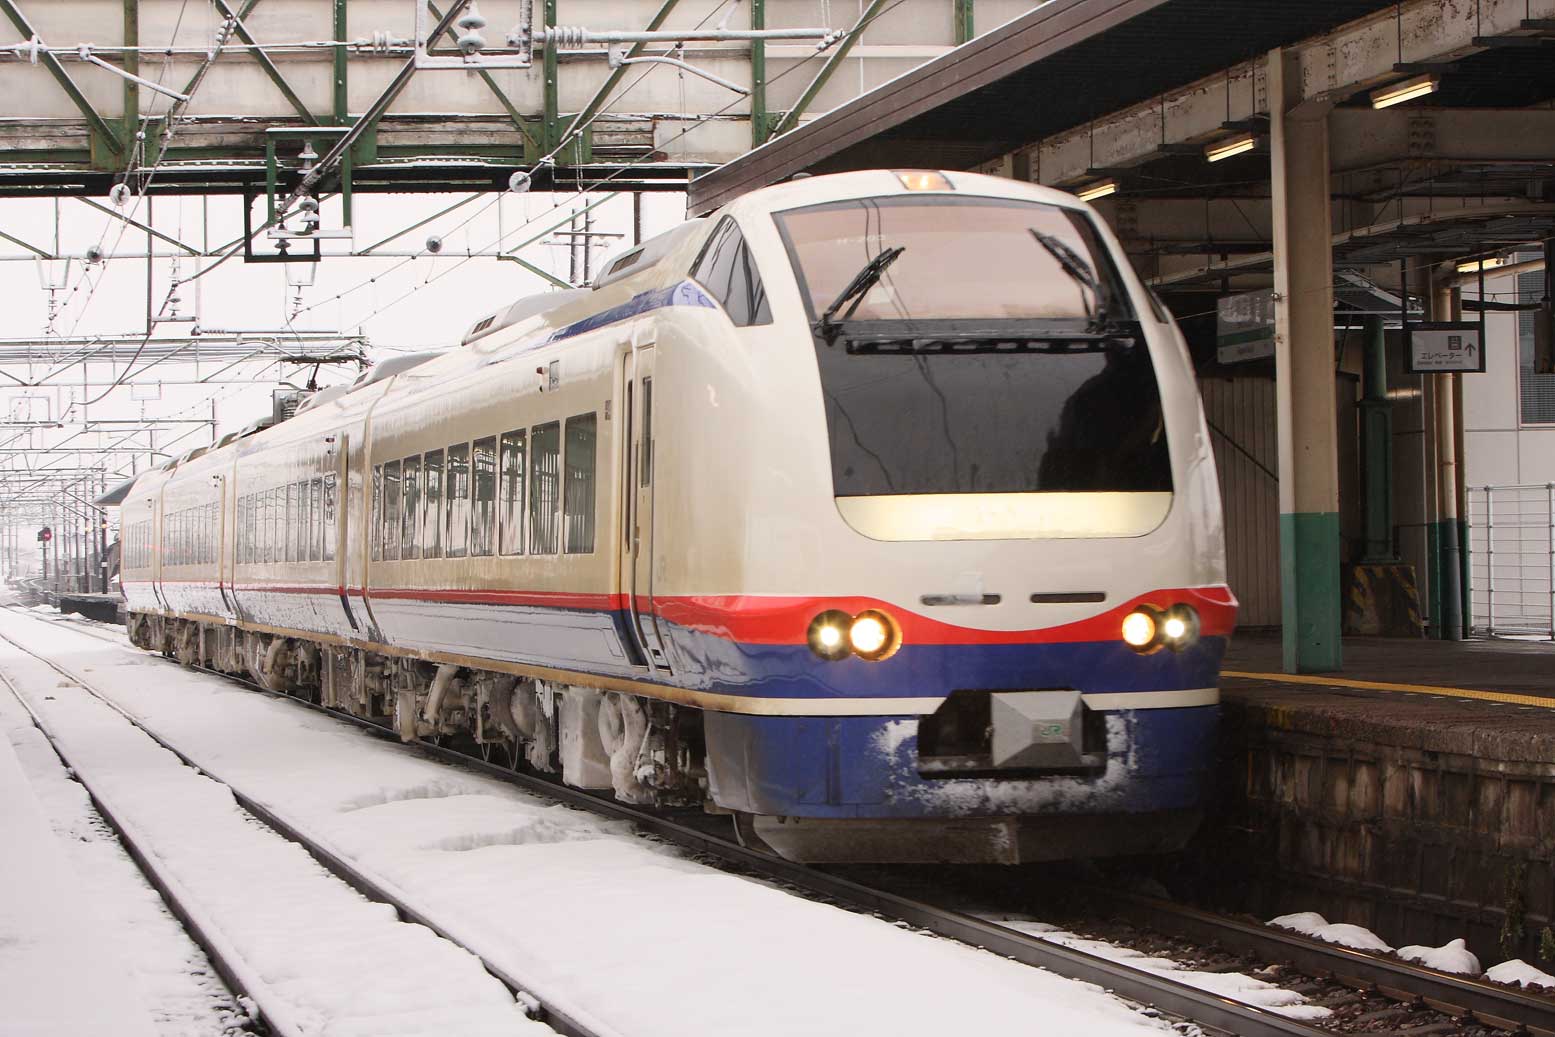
(45, 535)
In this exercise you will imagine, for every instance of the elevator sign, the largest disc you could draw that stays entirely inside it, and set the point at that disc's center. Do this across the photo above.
(1244, 327)
(1445, 348)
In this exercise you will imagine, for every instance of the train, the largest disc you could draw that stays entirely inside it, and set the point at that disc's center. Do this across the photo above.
(876, 510)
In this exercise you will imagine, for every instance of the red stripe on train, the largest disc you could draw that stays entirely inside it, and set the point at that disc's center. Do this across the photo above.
(759, 619)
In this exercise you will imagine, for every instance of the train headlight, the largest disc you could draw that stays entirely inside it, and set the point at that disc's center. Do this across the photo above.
(1140, 630)
(873, 635)
(1181, 626)
(828, 634)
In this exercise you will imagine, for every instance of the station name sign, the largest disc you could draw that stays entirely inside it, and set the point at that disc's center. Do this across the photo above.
(1445, 348)
(1244, 327)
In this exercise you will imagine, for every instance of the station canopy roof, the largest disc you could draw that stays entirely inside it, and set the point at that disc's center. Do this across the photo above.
(1057, 67)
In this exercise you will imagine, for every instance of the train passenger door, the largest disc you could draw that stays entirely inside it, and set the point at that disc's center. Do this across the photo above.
(637, 514)
(225, 540)
(337, 538)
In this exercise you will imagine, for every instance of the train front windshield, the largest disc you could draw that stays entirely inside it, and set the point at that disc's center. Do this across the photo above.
(975, 345)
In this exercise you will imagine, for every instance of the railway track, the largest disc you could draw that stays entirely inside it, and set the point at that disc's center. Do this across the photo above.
(227, 960)
(1457, 996)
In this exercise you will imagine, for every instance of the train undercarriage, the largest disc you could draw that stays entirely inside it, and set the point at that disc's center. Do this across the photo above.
(642, 750)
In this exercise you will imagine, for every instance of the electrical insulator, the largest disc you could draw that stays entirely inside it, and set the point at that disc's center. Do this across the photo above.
(470, 40)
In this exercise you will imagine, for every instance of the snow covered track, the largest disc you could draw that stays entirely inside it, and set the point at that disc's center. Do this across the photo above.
(235, 886)
(1166, 995)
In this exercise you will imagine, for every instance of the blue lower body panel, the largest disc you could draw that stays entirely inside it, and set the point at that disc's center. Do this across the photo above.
(866, 767)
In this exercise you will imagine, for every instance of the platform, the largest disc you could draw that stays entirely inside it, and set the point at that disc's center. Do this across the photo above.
(61, 973)
(1413, 793)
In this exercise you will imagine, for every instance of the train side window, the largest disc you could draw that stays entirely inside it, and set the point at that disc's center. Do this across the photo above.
(290, 520)
(329, 517)
(578, 505)
(544, 479)
(250, 530)
(375, 519)
(727, 270)
(432, 524)
(511, 531)
(410, 514)
(316, 529)
(304, 520)
(456, 501)
(483, 468)
(392, 495)
(262, 526)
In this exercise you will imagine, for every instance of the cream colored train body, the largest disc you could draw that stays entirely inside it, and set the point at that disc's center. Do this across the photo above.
(858, 577)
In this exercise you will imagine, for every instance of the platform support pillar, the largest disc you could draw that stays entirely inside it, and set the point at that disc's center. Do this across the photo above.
(1304, 382)
(1377, 443)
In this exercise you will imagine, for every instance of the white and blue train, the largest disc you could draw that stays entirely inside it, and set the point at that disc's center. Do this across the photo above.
(876, 510)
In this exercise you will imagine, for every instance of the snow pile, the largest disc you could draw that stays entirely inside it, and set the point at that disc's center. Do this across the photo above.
(1312, 924)
(1520, 974)
(1451, 957)
(1235, 985)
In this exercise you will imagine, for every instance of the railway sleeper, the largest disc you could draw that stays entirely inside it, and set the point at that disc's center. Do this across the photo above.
(642, 750)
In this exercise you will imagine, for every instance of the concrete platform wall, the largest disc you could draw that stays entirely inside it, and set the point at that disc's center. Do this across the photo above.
(1421, 819)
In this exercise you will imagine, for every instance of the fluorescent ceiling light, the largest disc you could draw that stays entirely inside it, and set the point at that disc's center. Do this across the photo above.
(1474, 266)
(1405, 90)
(1100, 189)
(1231, 147)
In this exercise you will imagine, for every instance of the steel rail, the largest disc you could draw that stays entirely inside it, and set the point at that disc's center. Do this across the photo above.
(560, 1019)
(1177, 999)
(1447, 992)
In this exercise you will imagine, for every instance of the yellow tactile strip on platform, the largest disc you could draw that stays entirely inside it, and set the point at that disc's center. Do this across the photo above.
(1416, 689)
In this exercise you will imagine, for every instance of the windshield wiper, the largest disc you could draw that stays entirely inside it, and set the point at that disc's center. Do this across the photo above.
(862, 282)
(1079, 271)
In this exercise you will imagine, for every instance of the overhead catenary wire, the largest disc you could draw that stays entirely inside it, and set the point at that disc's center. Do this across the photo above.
(594, 186)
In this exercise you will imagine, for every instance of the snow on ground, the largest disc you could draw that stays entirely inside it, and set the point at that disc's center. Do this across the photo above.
(174, 979)
(336, 962)
(1451, 957)
(649, 942)
(61, 970)
(1520, 974)
(1247, 989)
(1315, 925)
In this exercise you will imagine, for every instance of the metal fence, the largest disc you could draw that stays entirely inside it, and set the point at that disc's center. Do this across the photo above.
(1512, 559)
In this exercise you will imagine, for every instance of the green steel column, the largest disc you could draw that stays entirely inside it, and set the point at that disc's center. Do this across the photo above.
(552, 106)
(963, 21)
(132, 66)
(1304, 364)
(1448, 307)
(342, 102)
(758, 76)
(1377, 446)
